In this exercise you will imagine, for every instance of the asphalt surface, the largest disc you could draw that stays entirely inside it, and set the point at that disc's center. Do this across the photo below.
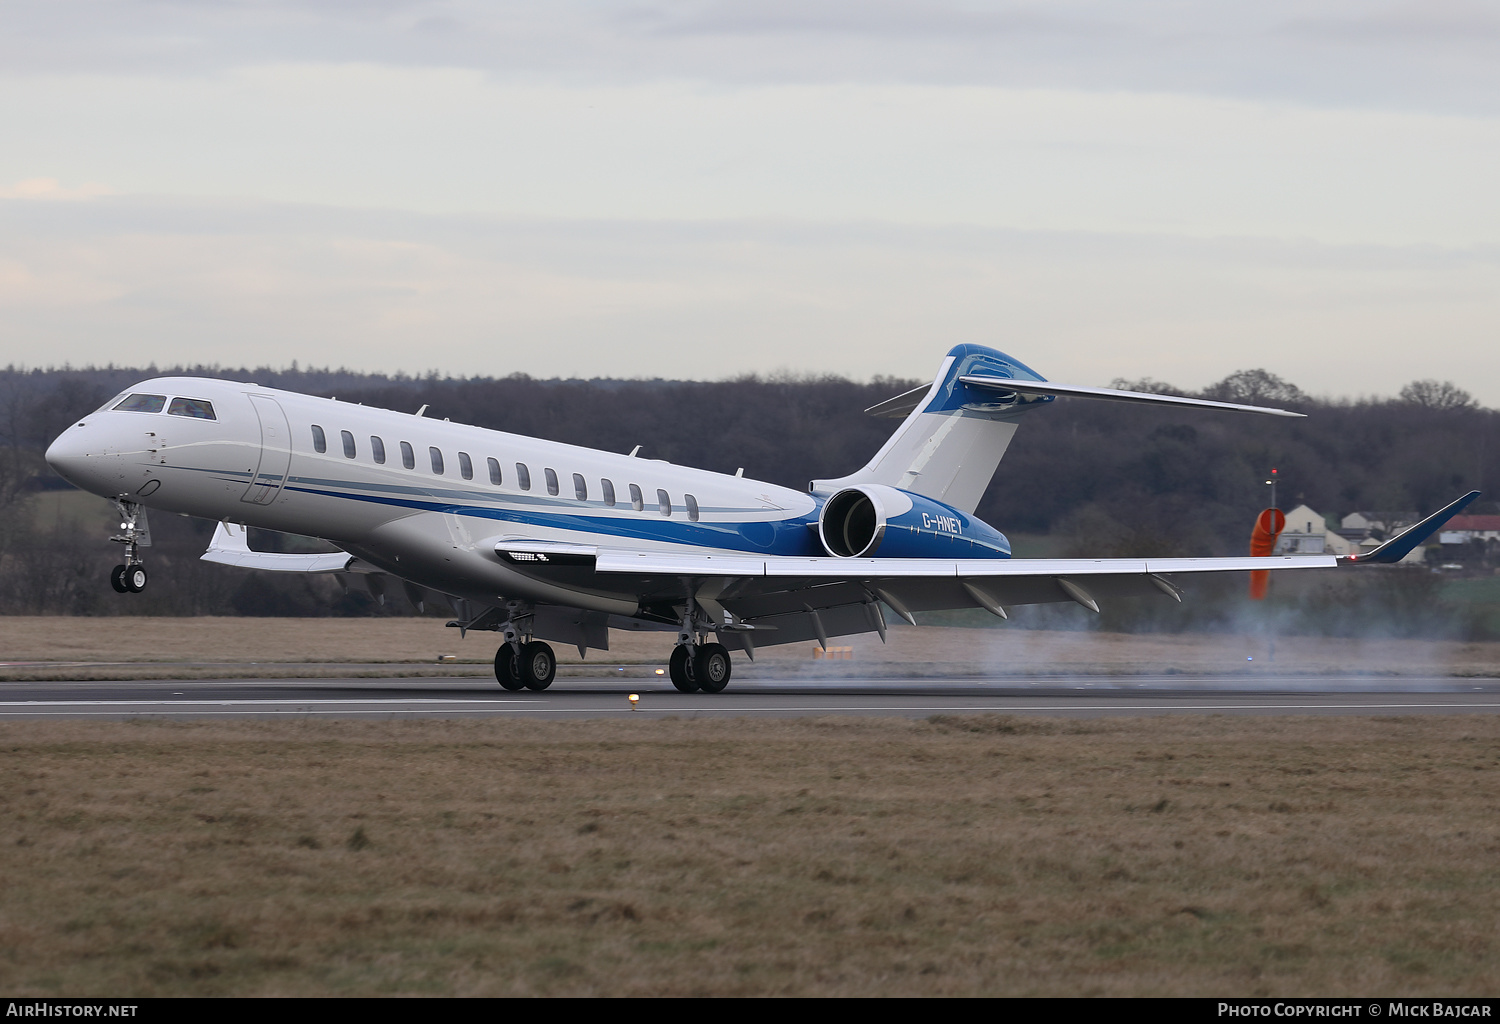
(464, 696)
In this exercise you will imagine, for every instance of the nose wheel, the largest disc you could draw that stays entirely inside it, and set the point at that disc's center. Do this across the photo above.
(128, 579)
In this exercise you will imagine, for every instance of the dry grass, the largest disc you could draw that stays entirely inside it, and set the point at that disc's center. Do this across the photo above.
(164, 647)
(962, 855)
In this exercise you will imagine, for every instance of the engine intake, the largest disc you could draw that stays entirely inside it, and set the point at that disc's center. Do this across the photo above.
(851, 525)
(877, 520)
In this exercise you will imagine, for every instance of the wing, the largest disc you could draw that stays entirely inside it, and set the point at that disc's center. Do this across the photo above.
(778, 599)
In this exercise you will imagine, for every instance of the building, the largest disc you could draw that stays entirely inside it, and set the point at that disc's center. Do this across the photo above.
(1309, 532)
(1464, 529)
(1306, 533)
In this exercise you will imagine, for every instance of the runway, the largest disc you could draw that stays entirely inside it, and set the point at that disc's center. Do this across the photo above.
(469, 696)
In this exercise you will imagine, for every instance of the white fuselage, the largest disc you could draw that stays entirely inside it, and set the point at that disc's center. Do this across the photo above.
(431, 511)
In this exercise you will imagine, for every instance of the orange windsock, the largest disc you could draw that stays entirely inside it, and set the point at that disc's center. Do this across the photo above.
(1268, 526)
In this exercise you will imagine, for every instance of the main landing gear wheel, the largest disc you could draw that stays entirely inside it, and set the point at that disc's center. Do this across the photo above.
(680, 667)
(711, 669)
(508, 668)
(538, 665)
(135, 578)
(117, 580)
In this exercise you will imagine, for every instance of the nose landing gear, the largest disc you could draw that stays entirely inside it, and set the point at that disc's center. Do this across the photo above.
(135, 534)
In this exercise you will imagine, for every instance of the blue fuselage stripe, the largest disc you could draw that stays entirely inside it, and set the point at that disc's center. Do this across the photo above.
(787, 536)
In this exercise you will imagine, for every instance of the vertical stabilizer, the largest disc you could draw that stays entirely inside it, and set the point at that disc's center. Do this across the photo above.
(952, 440)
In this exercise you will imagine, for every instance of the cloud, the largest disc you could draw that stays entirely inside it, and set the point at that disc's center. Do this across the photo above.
(453, 140)
(52, 189)
(1384, 53)
(135, 280)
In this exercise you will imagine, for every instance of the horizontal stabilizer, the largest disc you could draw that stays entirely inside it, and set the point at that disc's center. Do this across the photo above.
(1047, 387)
(231, 546)
(898, 407)
(1405, 542)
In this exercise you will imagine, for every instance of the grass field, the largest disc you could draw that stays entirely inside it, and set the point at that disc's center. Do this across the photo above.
(960, 855)
(133, 648)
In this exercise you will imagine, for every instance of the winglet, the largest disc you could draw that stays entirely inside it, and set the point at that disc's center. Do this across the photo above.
(1401, 545)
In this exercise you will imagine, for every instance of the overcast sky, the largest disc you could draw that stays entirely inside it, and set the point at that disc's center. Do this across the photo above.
(700, 189)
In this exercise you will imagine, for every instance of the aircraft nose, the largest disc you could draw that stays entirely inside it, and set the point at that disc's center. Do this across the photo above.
(69, 457)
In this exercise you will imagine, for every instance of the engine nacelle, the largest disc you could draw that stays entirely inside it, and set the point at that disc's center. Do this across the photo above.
(875, 520)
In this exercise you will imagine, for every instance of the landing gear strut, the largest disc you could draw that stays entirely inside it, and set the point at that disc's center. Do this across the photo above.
(131, 577)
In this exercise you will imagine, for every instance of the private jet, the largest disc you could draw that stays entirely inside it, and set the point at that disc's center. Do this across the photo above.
(539, 541)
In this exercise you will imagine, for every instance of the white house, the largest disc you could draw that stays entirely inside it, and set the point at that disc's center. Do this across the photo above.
(1307, 533)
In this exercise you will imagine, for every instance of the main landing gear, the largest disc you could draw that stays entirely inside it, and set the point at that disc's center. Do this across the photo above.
(522, 663)
(696, 663)
(703, 667)
(525, 666)
(130, 578)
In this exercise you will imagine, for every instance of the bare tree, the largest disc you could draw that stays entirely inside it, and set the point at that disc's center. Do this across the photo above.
(1437, 394)
(1252, 387)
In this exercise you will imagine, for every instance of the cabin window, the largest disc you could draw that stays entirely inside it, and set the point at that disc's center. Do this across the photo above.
(494, 471)
(664, 501)
(437, 460)
(551, 480)
(348, 440)
(408, 457)
(320, 440)
(580, 487)
(197, 408)
(609, 492)
(142, 403)
(523, 476)
(692, 505)
(637, 502)
(465, 466)
(377, 449)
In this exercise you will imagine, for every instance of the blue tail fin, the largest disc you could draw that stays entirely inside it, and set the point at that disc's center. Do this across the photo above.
(954, 435)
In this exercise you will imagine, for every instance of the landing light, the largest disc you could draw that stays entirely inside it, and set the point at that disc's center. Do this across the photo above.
(633, 698)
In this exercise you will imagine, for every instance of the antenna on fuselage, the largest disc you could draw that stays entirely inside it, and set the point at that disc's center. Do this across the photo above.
(634, 450)
(421, 410)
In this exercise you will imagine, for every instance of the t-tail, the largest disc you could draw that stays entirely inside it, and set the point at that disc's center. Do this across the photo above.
(957, 428)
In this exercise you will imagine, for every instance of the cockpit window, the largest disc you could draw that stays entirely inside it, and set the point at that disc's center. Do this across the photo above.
(197, 408)
(142, 403)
